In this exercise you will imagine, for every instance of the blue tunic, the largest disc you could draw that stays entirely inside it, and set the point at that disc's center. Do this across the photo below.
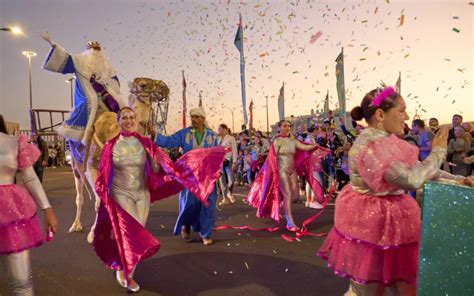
(191, 211)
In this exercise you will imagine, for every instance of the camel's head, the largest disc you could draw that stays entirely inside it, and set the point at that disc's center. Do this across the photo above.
(106, 127)
(148, 90)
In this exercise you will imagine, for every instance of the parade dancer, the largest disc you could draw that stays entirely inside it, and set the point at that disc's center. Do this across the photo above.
(133, 173)
(279, 175)
(20, 229)
(376, 233)
(192, 213)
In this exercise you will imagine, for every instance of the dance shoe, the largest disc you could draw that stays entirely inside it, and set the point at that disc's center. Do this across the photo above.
(231, 198)
(223, 202)
(292, 228)
(133, 286)
(119, 277)
(315, 205)
(207, 241)
(185, 232)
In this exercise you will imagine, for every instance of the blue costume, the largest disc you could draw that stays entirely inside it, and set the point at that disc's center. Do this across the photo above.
(92, 69)
(191, 211)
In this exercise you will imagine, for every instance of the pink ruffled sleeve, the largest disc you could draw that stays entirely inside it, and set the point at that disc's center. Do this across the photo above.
(28, 153)
(373, 161)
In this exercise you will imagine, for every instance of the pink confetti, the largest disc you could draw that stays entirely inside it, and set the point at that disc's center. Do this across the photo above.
(315, 37)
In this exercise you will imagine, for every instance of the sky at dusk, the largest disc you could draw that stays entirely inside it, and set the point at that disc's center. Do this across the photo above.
(433, 49)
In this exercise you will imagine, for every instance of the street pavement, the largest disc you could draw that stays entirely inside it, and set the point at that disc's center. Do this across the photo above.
(240, 262)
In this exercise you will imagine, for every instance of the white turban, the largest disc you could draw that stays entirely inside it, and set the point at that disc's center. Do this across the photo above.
(197, 111)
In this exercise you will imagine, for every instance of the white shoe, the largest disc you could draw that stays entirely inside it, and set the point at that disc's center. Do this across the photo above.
(223, 202)
(306, 204)
(119, 277)
(231, 197)
(315, 205)
(133, 287)
(207, 241)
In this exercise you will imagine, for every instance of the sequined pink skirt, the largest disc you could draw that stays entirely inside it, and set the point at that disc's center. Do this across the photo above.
(19, 227)
(374, 239)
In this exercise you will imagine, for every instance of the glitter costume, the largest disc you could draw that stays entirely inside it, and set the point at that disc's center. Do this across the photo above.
(20, 229)
(376, 233)
(287, 159)
(133, 173)
(285, 149)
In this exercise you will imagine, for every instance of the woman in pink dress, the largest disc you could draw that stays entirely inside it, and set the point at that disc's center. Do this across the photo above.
(376, 233)
(20, 229)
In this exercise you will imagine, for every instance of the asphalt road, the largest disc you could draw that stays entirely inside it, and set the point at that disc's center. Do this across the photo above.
(240, 262)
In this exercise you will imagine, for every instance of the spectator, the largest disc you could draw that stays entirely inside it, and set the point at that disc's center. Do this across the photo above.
(424, 138)
(456, 121)
(434, 125)
(409, 137)
(60, 156)
(459, 147)
(42, 161)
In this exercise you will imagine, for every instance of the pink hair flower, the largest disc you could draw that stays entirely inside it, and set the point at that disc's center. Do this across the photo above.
(382, 96)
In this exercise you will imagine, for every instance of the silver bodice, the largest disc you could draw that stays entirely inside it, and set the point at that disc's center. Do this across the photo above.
(129, 159)
(285, 149)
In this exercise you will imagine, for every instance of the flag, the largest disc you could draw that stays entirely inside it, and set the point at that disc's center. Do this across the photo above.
(326, 104)
(281, 102)
(239, 37)
(398, 84)
(184, 101)
(340, 85)
(251, 115)
(239, 43)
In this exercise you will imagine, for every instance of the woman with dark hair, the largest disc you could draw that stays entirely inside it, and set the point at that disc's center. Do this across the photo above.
(20, 229)
(229, 166)
(279, 175)
(376, 234)
(42, 160)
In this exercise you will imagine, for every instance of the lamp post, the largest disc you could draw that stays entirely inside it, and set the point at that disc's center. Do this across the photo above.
(232, 112)
(13, 30)
(29, 55)
(70, 81)
(266, 106)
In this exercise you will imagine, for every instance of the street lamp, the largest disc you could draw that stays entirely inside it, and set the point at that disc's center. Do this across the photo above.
(232, 112)
(29, 55)
(14, 30)
(70, 81)
(266, 106)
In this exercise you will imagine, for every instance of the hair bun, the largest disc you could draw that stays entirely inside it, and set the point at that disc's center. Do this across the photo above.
(357, 113)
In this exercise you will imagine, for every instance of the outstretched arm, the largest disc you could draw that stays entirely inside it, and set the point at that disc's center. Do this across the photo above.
(175, 140)
(304, 147)
(58, 59)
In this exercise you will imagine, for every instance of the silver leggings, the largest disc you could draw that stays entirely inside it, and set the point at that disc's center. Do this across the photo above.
(290, 191)
(18, 270)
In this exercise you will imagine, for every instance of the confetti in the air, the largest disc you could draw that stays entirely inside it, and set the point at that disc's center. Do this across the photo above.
(315, 37)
